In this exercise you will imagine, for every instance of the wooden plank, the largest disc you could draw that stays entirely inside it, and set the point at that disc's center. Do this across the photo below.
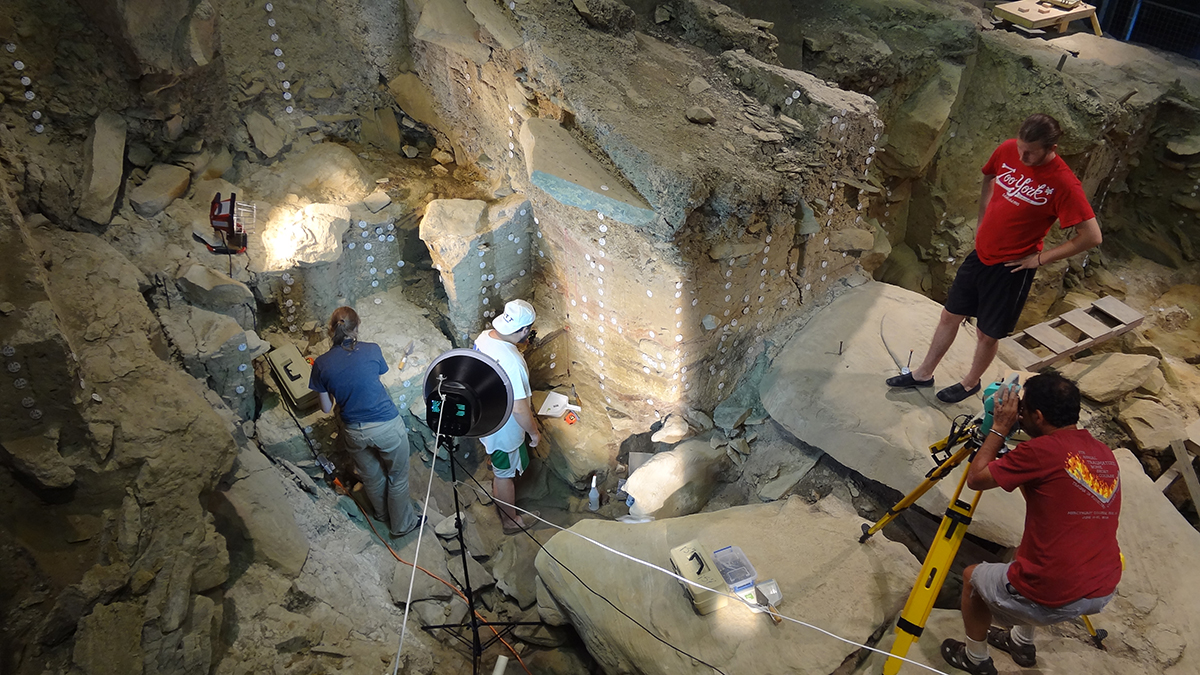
(1018, 356)
(1086, 323)
(1183, 464)
(1118, 310)
(1166, 478)
(1054, 340)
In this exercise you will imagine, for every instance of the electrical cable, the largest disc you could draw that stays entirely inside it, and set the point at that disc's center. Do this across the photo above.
(584, 583)
(689, 582)
(421, 531)
(341, 488)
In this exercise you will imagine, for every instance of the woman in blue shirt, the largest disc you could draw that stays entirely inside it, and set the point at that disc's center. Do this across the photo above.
(374, 434)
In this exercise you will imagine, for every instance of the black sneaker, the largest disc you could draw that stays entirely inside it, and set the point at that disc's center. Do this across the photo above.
(907, 381)
(956, 392)
(955, 653)
(1022, 655)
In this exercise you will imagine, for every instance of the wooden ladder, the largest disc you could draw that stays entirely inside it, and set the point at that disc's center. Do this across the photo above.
(1183, 467)
(1104, 319)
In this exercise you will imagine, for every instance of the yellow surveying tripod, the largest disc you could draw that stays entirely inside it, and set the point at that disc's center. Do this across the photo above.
(969, 432)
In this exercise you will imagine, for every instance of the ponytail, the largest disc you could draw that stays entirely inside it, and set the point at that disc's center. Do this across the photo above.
(343, 328)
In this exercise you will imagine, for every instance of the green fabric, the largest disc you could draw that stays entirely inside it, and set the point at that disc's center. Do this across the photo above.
(501, 460)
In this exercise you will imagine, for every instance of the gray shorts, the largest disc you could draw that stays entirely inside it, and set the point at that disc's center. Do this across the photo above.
(1010, 608)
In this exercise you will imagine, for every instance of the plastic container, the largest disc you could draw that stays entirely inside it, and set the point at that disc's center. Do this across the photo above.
(736, 570)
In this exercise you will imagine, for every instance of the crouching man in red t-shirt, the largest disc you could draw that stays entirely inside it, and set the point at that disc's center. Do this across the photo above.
(1068, 563)
(1026, 187)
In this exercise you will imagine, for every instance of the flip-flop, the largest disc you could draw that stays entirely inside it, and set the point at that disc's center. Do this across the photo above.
(517, 528)
(906, 380)
(956, 392)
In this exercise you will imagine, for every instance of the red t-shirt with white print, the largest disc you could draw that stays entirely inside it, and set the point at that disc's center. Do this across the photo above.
(1072, 489)
(1026, 200)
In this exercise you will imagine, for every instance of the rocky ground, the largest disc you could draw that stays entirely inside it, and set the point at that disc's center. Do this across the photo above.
(165, 511)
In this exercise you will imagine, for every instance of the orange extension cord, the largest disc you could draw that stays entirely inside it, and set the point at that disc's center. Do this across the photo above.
(342, 489)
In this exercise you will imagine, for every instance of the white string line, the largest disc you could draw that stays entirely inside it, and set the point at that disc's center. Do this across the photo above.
(712, 590)
(420, 535)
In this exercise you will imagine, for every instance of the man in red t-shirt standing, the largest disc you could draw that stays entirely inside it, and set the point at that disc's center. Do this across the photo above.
(1026, 187)
(1068, 563)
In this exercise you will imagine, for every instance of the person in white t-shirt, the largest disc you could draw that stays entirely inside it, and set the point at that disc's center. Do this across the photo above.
(507, 449)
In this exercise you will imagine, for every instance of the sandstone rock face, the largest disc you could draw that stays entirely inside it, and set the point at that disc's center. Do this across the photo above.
(854, 417)
(919, 124)
(212, 290)
(215, 349)
(676, 482)
(37, 459)
(1107, 377)
(379, 128)
(820, 537)
(104, 164)
(158, 440)
(268, 138)
(469, 239)
(514, 569)
(165, 184)
(1152, 425)
(378, 322)
(497, 23)
(449, 24)
(563, 169)
(110, 640)
(257, 506)
(325, 172)
(307, 235)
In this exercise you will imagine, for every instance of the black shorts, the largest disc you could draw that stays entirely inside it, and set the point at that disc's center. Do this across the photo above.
(994, 294)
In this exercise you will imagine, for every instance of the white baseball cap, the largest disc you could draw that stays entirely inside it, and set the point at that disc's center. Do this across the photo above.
(517, 315)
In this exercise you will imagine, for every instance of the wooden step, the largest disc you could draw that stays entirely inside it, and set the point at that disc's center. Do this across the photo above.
(1103, 320)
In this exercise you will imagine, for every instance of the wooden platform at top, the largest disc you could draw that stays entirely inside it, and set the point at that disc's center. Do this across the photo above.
(1036, 14)
(1105, 319)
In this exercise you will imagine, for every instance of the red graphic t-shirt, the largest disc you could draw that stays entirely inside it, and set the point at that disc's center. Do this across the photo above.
(1072, 488)
(1026, 200)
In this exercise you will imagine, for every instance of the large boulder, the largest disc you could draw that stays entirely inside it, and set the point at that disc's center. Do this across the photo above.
(308, 235)
(257, 507)
(268, 138)
(677, 482)
(164, 184)
(468, 240)
(37, 459)
(104, 164)
(840, 404)
(1105, 378)
(215, 349)
(449, 24)
(826, 576)
(1152, 425)
(918, 126)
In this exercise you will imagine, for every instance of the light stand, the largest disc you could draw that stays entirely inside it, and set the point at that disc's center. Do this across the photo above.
(467, 394)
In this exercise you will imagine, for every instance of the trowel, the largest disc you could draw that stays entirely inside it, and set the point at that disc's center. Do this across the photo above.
(407, 353)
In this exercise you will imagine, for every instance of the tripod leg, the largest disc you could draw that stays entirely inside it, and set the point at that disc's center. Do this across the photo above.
(933, 574)
(939, 472)
(1097, 635)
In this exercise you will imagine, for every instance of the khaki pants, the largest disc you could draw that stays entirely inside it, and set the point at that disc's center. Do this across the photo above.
(380, 452)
